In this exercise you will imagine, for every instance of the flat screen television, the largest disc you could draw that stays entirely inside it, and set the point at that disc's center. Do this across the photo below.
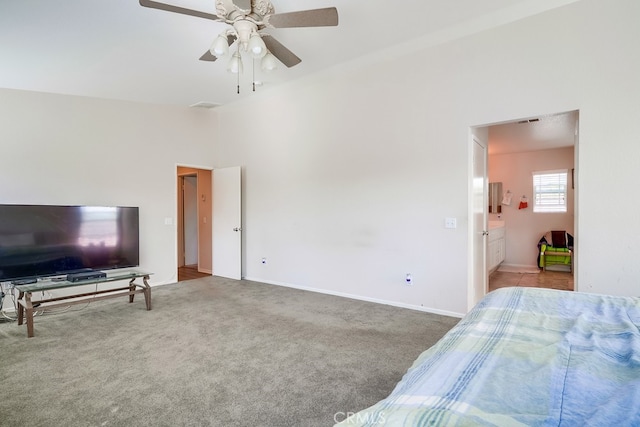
(46, 240)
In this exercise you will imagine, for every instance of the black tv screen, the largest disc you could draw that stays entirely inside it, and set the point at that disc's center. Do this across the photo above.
(45, 240)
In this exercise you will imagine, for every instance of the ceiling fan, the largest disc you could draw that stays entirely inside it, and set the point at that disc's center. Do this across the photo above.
(248, 19)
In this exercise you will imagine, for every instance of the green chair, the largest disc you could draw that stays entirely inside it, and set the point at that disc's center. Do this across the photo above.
(556, 248)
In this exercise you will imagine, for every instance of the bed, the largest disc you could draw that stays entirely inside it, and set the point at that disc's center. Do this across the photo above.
(525, 357)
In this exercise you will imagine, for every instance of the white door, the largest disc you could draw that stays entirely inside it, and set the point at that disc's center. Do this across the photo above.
(227, 223)
(479, 224)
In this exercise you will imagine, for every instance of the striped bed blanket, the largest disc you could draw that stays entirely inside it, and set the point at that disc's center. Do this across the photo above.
(525, 357)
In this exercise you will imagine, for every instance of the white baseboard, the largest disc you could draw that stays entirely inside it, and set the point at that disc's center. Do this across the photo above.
(324, 291)
(530, 266)
(518, 268)
(359, 297)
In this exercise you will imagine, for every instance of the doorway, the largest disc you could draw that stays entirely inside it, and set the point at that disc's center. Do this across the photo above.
(194, 231)
(515, 150)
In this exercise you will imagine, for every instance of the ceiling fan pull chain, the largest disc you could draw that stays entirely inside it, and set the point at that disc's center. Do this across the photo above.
(238, 81)
(253, 77)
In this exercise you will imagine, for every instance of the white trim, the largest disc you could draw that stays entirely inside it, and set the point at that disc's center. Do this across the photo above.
(515, 266)
(358, 297)
(471, 275)
(184, 165)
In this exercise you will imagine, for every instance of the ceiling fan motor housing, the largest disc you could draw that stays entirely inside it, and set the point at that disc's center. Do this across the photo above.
(244, 28)
(229, 10)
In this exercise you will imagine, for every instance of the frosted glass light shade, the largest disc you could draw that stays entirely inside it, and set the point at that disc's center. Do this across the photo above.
(235, 65)
(269, 62)
(256, 46)
(220, 46)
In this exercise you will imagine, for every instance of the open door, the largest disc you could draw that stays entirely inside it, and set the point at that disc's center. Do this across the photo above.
(479, 223)
(227, 223)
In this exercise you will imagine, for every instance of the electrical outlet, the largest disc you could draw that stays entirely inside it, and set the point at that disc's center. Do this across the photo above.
(450, 223)
(408, 280)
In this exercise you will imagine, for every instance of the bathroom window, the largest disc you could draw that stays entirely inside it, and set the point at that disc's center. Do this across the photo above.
(550, 191)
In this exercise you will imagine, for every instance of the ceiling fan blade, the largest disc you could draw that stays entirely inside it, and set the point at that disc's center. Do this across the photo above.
(210, 57)
(327, 17)
(243, 4)
(278, 50)
(177, 9)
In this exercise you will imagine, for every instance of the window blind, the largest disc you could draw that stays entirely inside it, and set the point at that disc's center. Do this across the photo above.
(550, 191)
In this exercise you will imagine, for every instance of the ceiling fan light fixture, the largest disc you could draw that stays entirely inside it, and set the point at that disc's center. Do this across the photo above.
(244, 29)
(235, 64)
(220, 46)
(268, 62)
(256, 46)
(246, 17)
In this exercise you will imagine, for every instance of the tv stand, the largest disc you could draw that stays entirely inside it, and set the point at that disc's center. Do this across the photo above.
(26, 305)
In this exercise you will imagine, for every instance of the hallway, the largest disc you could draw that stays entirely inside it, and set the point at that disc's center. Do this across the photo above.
(189, 272)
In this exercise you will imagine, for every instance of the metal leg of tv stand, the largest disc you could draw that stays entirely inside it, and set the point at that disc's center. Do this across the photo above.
(146, 289)
(25, 304)
(147, 292)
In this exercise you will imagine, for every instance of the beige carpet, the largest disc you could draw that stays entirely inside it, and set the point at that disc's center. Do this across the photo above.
(212, 352)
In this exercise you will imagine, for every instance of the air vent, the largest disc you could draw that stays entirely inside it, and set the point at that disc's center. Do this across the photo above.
(204, 104)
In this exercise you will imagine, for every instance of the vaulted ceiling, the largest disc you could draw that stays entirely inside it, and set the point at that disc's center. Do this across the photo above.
(116, 49)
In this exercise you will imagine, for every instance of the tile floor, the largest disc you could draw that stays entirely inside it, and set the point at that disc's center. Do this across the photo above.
(545, 279)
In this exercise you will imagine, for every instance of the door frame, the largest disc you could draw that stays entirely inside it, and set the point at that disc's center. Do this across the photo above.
(205, 196)
(182, 220)
(479, 130)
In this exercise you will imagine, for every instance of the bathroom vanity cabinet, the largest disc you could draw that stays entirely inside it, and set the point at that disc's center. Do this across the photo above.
(496, 246)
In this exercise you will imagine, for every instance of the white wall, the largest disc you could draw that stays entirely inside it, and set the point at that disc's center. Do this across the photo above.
(70, 150)
(349, 176)
(524, 228)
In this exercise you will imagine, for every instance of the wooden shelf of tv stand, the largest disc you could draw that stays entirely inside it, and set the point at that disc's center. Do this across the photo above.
(26, 305)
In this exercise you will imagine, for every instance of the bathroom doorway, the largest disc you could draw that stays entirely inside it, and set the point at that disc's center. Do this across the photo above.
(516, 149)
